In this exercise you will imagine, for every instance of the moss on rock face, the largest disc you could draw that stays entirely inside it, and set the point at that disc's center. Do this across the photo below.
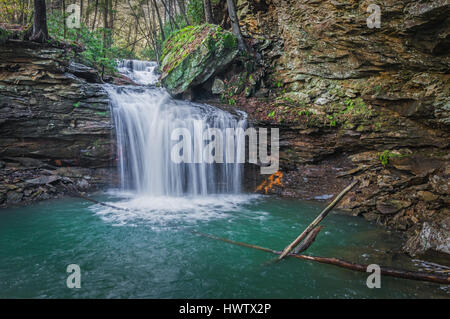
(193, 54)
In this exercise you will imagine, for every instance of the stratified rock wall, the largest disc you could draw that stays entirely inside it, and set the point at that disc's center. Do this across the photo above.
(52, 124)
(403, 65)
(360, 102)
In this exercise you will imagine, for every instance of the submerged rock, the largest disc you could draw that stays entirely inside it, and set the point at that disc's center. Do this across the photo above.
(194, 54)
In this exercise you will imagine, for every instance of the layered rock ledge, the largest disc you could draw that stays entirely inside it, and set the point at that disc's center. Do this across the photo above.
(55, 124)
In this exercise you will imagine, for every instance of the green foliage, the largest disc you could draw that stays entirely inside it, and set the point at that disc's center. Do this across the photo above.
(386, 155)
(148, 53)
(357, 107)
(95, 54)
(11, 11)
(195, 11)
(231, 101)
(332, 119)
(305, 112)
(177, 44)
(271, 114)
(350, 105)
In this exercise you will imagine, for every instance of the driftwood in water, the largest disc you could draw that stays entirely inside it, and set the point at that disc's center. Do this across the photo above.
(387, 271)
(304, 245)
(316, 221)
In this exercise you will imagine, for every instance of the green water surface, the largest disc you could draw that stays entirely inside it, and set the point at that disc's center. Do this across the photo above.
(152, 253)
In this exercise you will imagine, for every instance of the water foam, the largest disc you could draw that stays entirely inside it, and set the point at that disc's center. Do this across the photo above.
(166, 211)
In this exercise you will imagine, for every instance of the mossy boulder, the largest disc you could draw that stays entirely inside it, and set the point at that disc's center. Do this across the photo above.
(193, 54)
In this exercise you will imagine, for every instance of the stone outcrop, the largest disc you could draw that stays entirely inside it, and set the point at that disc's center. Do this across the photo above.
(357, 102)
(193, 55)
(55, 124)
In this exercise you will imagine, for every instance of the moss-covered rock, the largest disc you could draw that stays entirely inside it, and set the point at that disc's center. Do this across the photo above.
(193, 54)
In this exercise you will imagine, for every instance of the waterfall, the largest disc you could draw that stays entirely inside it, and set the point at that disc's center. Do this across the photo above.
(145, 118)
(141, 72)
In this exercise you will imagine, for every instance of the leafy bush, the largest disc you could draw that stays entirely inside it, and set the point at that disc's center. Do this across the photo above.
(95, 53)
(195, 11)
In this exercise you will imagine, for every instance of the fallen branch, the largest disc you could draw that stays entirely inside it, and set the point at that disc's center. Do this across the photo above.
(316, 221)
(304, 245)
(387, 271)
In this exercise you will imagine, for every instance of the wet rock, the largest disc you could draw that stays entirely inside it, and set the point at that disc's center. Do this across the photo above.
(218, 86)
(392, 206)
(261, 93)
(440, 181)
(43, 180)
(432, 236)
(13, 197)
(427, 196)
(47, 112)
(84, 72)
(50, 117)
(83, 184)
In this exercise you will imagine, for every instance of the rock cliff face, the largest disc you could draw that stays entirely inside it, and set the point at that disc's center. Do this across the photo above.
(54, 124)
(359, 102)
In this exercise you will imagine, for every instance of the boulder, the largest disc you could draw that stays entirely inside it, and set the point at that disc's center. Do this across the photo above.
(432, 236)
(194, 54)
(218, 86)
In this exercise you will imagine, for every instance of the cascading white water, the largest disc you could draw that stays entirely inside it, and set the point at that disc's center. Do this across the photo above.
(145, 118)
(141, 72)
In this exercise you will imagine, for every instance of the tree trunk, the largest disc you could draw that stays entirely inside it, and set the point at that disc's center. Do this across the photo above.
(208, 11)
(105, 23)
(95, 15)
(81, 10)
(111, 21)
(63, 10)
(172, 21)
(159, 20)
(235, 25)
(183, 11)
(387, 271)
(40, 31)
(88, 12)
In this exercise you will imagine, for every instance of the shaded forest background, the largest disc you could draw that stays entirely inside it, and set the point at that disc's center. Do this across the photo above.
(112, 29)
